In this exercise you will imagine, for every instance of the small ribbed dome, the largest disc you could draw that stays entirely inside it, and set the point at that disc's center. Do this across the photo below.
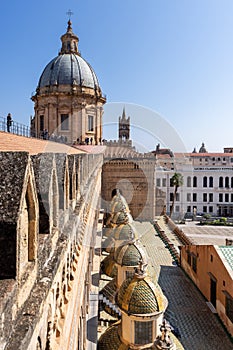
(108, 266)
(122, 217)
(131, 254)
(203, 148)
(140, 296)
(69, 68)
(118, 204)
(125, 232)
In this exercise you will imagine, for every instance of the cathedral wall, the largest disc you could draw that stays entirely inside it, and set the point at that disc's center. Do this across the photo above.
(135, 178)
(51, 313)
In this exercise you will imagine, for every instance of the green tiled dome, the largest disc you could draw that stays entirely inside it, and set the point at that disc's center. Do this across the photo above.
(109, 292)
(122, 217)
(130, 255)
(108, 266)
(125, 232)
(110, 340)
(108, 232)
(140, 296)
(118, 204)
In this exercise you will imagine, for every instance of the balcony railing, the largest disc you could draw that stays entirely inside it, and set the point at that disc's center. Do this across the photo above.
(15, 128)
(24, 130)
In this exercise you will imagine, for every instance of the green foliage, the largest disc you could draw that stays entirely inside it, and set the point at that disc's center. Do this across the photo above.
(177, 180)
(206, 216)
(216, 222)
(223, 220)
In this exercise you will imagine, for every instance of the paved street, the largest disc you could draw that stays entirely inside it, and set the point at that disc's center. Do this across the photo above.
(199, 328)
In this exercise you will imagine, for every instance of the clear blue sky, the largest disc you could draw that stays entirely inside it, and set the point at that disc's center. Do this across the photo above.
(174, 57)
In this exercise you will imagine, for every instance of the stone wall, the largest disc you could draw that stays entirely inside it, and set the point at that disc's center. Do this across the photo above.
(135, 179)
(45, 305)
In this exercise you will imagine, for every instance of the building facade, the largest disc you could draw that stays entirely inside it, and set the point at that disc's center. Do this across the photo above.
(207, 182)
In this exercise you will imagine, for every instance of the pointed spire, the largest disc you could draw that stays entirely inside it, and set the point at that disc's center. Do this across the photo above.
(123, 114)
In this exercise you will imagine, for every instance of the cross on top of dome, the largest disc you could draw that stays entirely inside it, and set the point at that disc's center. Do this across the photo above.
(69, 14)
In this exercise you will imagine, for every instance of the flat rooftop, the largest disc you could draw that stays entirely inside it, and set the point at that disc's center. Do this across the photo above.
(206, 234)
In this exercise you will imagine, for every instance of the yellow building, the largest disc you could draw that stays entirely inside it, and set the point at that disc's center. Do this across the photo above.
(211, 269)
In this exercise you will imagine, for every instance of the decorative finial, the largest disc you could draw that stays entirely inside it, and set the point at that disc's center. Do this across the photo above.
(140, 271)
(164, 340)
(69, 14)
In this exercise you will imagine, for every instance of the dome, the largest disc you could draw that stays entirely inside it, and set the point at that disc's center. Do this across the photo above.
(108, 266)
(125, 232)
(68, 68)
(118, 204)
(122, 217)
(109, 292)
(110, 339)
(130, 255)
(140, 296)
(203, 148)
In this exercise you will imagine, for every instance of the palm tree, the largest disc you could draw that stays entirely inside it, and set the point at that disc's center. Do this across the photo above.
(176, 182)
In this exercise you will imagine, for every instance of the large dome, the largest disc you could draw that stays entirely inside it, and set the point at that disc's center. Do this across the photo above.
(68, 69)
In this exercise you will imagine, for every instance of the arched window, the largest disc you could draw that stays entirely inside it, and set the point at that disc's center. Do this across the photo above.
(221, 181)
(211, 181)
(227, 182)
(194, 181)
(205, 181)
(232, 182)
(189, 181)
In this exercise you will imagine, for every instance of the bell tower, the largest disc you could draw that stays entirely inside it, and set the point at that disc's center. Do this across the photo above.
(124, 127)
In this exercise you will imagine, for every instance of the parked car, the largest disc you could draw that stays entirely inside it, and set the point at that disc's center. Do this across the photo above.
(188, 216)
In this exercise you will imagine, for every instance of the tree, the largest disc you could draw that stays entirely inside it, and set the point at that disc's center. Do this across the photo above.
(176, 182)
